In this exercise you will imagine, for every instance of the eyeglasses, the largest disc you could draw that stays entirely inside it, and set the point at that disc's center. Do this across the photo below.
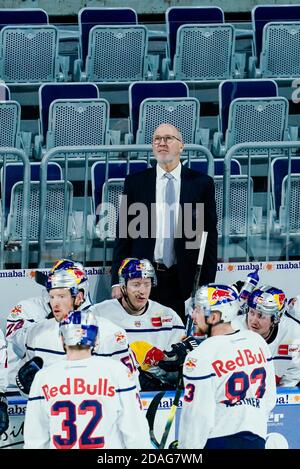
(167, 139)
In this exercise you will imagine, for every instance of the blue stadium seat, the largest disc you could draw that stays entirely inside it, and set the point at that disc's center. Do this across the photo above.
(279, 170)
(275, 28)
(13, 16)
(10, 120)
(48, 92)
(117, 55)
(239, 199)
(14, 173)
(141, 90)
(201, 166)
(178, 15)
(183, 113)
(29, 55)
(92, 16)
(203, 53)
(115, 169)
(254, 120)
(263, 14)
(234, 89)
(289, 220)
(58, 211)
(78, 122)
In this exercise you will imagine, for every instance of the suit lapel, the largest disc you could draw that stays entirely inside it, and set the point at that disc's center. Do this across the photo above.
(185, 189)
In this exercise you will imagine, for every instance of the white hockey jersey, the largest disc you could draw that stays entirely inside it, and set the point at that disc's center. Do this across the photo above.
(285, 348)
(229, 388)
(43, 340)
(158, 326)
(85, 404)
(3, 363)
(23, 316)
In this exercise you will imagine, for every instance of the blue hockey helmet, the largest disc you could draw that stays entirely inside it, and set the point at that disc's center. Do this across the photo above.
(136, 268)
(79, 328)
(268, 300)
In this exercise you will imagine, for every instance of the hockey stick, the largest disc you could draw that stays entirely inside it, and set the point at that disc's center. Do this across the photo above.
(151, 413)
(170, 418)
(189, 324)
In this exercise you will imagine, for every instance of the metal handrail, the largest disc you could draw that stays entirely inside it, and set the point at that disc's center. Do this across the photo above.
(87, 154)
(20, 154)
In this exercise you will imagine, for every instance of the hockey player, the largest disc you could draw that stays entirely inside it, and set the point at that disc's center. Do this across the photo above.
(229, 379)
(151, 327)
(68, 290)
(281, 331)
(84, 402)
(3, 384)
(24, 315)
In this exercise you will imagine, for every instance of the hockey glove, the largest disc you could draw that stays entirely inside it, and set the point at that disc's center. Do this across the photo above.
(4, 422)
(27, 372)
(238, 285)
(178, 353)
(149, 382)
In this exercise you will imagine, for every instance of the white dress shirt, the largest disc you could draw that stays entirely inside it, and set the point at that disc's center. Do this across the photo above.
(161, 183)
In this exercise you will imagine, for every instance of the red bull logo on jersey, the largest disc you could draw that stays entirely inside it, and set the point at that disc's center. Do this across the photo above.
(190, 364)
(78, 386)
(120, 337)
(16, 310)
(244, 357)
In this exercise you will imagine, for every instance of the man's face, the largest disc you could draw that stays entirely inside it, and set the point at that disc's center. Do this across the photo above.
(167, 150)
(199, 319)
(62, 303)
(258, 322)
(138, 291)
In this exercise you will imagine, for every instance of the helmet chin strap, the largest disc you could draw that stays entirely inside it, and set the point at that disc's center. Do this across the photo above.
(130, 305)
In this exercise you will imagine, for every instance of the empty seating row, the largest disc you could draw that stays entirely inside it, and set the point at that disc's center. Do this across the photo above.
(73, 114)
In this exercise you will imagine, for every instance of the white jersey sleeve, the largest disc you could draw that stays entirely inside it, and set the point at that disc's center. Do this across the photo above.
(3, 363)
(229, 388)
(113, 343)
(285, 349)
(23, 316)
(36, 419)
(132, 421)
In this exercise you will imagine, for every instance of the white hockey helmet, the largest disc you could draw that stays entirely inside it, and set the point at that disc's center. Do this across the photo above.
(215, 297)
(68, 274)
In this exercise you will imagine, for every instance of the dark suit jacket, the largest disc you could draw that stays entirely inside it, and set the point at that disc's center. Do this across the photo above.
(195, 188)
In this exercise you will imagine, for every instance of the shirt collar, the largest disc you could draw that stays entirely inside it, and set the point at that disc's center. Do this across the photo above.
(175, 173)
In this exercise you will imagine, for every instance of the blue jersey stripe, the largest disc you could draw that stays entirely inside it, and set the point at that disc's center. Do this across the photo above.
(158, 329)
(118, 352)
(195, 378)
(283, 358)
(126, 389)
(46, 350)
(37, 398)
